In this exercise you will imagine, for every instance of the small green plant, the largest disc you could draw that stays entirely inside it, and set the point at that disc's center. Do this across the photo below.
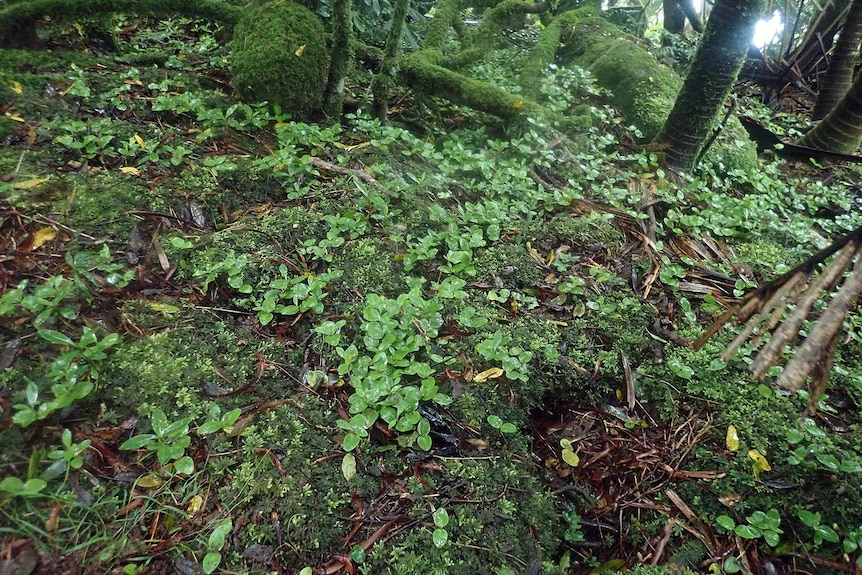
(759, 524)
(391, 374)
(497, 423)
(821, 532)
(514, 360)
(67, 458)
(14, 487)
(168, 440)
(215, 543)
(440, 536)
(293, 295)
(72, 373)
(233, 266)
(574, 533)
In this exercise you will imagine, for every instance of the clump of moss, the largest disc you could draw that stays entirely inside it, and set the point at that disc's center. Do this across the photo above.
(280, 55)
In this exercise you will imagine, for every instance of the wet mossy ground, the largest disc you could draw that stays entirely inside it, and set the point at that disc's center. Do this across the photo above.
(192, 339)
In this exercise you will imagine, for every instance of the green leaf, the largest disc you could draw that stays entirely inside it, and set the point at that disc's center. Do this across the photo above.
(747, 531)
(184, 465)
(357, 553)
(829, 461)
(810, 519)
(495, 422)
(306, 571)
(826, 533)
(351, 440)
(423, 427)
(508, 428)
(441, 517)
(424, 442)
(725, 522)
(137, 442)
(221, 531)
(571, 458)
(348, 466)
(55, 337)
(731, 565)
(440, 537)
(211, 562)
(771, 538)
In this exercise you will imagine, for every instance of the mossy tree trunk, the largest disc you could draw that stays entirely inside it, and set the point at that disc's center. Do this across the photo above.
(839, 76)
(381, 88)
(841, 130)
(719, 57)
(341, 58)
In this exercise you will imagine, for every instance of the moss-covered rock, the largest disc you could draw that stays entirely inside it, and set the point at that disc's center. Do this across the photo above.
(280, 55)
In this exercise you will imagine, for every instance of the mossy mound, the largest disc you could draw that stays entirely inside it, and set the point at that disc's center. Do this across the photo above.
(280, 55)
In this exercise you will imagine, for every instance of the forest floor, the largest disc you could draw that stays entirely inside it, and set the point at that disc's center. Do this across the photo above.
(236, 341)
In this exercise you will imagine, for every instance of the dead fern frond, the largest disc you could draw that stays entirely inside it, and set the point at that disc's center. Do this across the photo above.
(764, 311)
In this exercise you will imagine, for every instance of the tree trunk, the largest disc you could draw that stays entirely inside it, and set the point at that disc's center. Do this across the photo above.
(340, 59)
(839, 76)
(841, 130)
(719, 57)
(381, 88)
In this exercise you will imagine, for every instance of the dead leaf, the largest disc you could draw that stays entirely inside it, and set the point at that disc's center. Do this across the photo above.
(130, 170)
(28, 184)
(300, 50)
(490, 373)
(42, 237)
(17, 87)
(140, 142)
(732, 439)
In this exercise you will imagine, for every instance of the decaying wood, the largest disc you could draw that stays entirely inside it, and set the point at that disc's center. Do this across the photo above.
(764, 311)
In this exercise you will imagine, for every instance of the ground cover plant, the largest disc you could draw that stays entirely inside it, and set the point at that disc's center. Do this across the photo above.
(242, 338)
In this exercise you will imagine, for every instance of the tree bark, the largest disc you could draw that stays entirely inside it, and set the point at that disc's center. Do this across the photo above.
(841, 130)
(381, 88)
(839, 76)
(340, 58)
(717, 62)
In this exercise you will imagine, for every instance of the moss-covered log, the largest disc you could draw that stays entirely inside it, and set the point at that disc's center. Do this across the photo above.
(16, 19)
(504, 16)
(446, 14)
(544, 53)
(422, 71)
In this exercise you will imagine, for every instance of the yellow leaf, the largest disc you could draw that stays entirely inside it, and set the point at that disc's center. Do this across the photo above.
(732, 439)
(555, 322)
(195, 504)
(517, 105)
(43, 236)
(14, 118)
(760, 462)
(130, 170)
(149, 481)
(300, 50)
(79, 29)
(491, 373)
(29, 184)
(140, 142)
(17, 87)
(571, 458)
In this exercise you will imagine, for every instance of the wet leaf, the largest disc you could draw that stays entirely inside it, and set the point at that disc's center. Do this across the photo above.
(441, 517)
(149, 481)
(348, 466)
(491, 373)
(732, 439)
(440, 537)
(571, 458)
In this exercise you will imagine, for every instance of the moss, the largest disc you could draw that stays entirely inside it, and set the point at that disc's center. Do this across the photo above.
(511, 519)
(445, 16)
(369, 266)
(22, 17)
(422, 71)
(544, 52)
(279, 54)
